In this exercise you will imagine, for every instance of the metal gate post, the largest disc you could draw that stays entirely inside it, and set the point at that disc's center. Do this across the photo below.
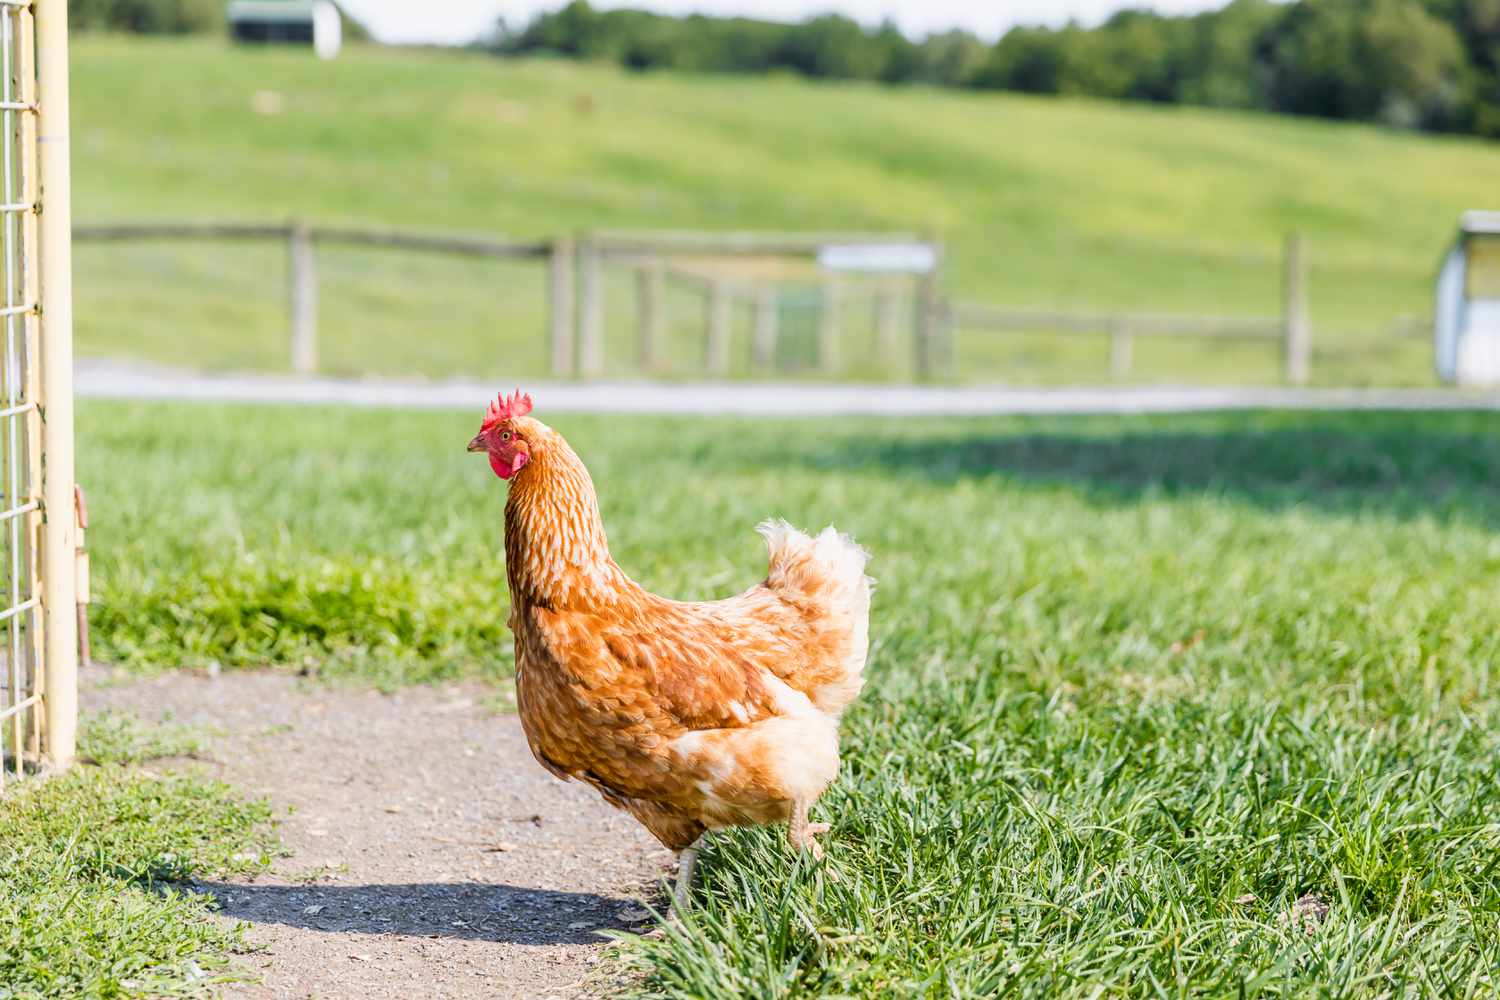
(56, 276)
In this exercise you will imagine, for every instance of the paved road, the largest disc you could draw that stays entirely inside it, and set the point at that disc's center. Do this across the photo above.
(121, 381)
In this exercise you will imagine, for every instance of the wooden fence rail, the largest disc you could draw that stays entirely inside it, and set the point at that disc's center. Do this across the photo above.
(473, 246)
(976, 314)
(302, 277)
(1291, 330)
(1123, 328)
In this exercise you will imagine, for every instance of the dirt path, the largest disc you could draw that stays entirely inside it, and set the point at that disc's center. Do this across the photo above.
(431, 856)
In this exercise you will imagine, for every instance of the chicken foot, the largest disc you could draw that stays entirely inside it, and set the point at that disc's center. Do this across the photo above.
(802, 834)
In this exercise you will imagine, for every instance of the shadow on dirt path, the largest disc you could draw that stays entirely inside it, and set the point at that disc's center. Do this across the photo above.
(472, 910)
(430, 855)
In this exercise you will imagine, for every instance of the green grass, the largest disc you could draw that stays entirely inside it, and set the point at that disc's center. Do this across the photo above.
(93, 863)
(1007, 839)
(113, 737)
(1066, 203)
(1124, 671)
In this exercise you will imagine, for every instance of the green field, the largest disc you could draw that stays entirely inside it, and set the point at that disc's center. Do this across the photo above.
(1137, 684)
(1046, 203)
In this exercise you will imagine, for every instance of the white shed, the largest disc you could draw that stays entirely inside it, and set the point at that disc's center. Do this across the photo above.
(1467, 323)
(299, 22)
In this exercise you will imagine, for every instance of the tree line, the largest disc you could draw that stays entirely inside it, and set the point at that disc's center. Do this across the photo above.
(1429, 64)
(168, 17)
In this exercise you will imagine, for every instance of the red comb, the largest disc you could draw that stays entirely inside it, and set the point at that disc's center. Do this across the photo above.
(518, 405)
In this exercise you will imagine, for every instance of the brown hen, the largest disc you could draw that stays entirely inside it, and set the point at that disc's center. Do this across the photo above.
(689, 716)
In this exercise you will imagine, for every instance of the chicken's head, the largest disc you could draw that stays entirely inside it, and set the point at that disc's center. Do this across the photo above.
(503, 435)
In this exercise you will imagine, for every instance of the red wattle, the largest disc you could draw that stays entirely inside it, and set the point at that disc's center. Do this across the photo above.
(505, 469)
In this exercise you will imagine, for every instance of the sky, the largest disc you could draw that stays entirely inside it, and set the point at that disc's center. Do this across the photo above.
(457, 21)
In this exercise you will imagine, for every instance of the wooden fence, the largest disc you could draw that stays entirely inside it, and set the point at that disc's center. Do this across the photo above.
(721, 296)
(575, 283)
(1291, 331)
(302, 273)
(656, 258)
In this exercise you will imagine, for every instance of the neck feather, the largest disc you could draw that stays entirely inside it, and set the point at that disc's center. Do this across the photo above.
(556, 554)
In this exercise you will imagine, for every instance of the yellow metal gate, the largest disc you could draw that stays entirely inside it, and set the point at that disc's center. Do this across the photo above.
(38, 696)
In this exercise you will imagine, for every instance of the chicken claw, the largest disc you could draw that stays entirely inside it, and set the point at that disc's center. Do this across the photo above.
(803, 834)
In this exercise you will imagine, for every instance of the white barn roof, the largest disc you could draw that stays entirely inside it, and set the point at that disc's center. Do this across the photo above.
(1480, 223)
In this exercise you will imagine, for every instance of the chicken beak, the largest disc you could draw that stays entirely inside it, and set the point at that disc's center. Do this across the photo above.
(478, 443)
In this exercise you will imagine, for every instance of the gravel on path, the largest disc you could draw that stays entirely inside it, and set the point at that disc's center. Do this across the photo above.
(430, 855)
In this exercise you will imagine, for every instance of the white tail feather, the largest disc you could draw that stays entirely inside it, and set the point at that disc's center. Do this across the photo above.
(828, 572)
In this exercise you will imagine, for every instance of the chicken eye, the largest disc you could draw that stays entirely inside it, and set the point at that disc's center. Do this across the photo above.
(505, 435)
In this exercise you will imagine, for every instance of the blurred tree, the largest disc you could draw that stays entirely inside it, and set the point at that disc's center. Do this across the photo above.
(147, 16)
(171, 17)
(1411, 63)
(830, 45)
(1135, 55)
(1380, 60)
(1027, 59)
(898, 56)
(1478, 25)
(950, 59)
(1219, 63)
(573, 30)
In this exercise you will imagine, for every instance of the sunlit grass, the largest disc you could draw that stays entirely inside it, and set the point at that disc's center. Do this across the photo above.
(94, 864)
(1138, 684)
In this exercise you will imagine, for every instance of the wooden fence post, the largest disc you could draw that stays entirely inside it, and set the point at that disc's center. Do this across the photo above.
(1296, 328)
(717, 353)
(560, 295)
(929, 320)
(766, 331)
(1119, 348)
(888, 316)
(302, 298)
(649, 280)
(947, 336)
(590, 309)
(828, 328)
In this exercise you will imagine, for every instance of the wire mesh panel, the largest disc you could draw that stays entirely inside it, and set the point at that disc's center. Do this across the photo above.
(20, 594)
(25, 732)
(755, 304)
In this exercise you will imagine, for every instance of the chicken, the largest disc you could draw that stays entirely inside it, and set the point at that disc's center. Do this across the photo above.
(689, 716)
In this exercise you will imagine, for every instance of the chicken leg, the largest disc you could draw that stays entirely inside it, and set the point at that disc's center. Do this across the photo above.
(687, 861)
(802, 834)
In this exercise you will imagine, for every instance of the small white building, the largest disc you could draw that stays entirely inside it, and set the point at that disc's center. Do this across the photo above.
(297, 22)
(1467, 323)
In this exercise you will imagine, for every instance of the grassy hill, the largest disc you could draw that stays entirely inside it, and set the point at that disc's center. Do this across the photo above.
(1044, 202)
